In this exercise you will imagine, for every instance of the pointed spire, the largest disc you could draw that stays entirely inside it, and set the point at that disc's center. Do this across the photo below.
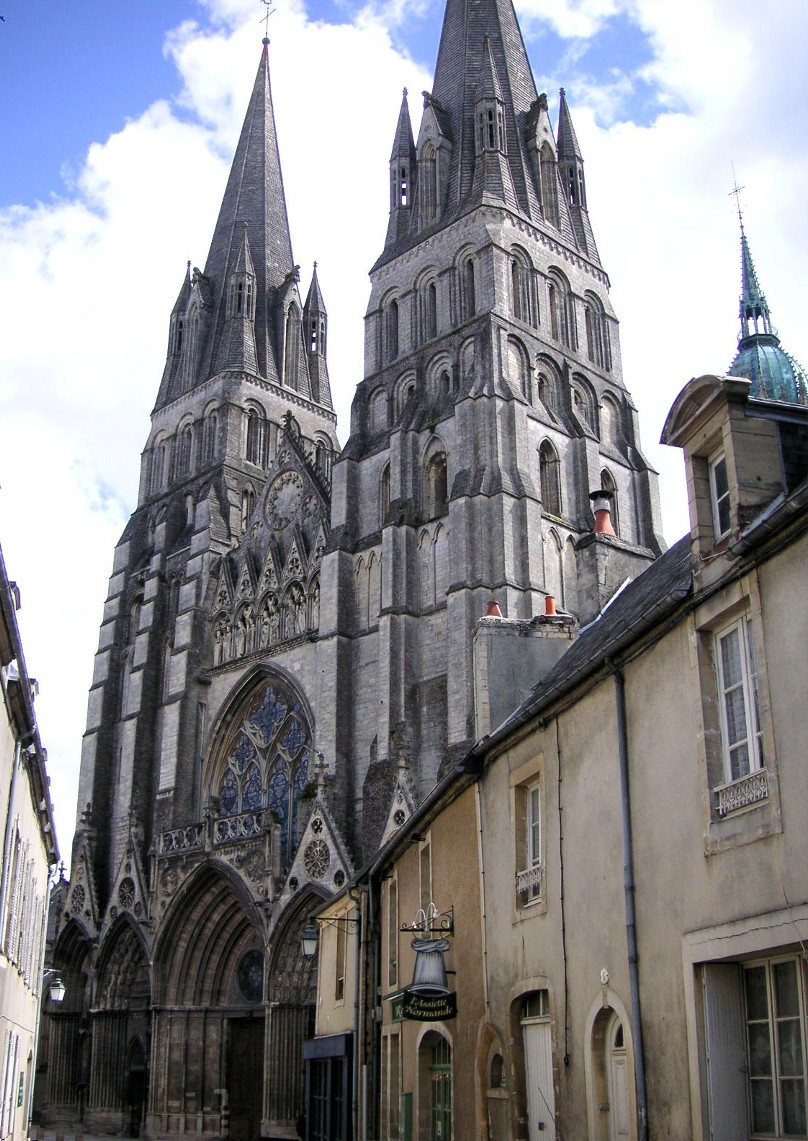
(774, 373)
(754, 311)
(402, 175)
(567, 139)
(459, 70)
(237, 341)
(315, 324)
(253, 201)
(571, 169)
(488, 86)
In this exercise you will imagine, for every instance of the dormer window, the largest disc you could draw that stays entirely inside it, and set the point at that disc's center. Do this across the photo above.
(719, 495)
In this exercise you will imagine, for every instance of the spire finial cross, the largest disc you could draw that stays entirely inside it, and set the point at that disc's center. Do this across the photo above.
(736, 190)
(267, 13)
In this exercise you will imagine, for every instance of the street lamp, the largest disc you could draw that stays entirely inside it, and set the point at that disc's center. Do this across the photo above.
(56, 988)
(309, 940)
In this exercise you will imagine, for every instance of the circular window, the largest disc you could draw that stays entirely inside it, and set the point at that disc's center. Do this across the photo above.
(339, 878)
(126, 893)
(316, 859)
(317, 825)
(78, 899)
(251, 976)
(399, 816)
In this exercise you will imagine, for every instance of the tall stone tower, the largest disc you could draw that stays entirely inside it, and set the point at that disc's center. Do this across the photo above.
(492, 405)
(285, 662)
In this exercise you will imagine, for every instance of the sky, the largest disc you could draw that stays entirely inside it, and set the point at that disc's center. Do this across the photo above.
(117, 126)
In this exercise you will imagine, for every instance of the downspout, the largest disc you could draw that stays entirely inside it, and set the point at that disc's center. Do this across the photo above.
(374, 973)
(358, 1005)
(631, 922)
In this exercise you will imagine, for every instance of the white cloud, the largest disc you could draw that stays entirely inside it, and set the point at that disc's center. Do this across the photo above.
(87, 281)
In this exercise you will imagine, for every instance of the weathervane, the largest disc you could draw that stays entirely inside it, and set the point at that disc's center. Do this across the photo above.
(269, 10)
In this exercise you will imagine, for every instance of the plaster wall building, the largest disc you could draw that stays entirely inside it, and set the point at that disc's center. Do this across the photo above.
(639, 876)
(29, 854)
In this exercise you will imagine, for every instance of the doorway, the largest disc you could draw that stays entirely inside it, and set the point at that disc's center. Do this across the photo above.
(245, 1082)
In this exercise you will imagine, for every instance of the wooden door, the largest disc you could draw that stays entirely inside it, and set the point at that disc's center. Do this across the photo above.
(245, 1080)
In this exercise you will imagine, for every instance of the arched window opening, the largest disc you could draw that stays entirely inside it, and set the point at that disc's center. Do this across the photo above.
(292, 348)
(158, 467)
(520, 290)
(184, 448)
(553, 569)
(467, 289)
(436, 493)
(491, 132)
(256, 438)
(390, 332)
(247, 504)
(430, 311)
(384, 495)
(428, 175)
(612, 432)
(210, 431)
(378, 410)
(180, 327)
(584, 405)
(562, 323)
(548, 391)
(403, 186)
(517, 367)
(549, 479)
(549, 184)
(444, 386)
(323, 458)
(598, 345)
(608, 484)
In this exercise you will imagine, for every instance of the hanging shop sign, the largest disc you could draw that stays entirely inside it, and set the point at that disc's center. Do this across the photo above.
(410, 1006)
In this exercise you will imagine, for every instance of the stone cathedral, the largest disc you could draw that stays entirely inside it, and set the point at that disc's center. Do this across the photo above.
(285, 663)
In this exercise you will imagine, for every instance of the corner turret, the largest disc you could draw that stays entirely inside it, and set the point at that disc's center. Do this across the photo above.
(402, 176)
(315, 325)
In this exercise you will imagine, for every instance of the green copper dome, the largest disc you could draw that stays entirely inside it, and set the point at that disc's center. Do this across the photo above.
(774, 373)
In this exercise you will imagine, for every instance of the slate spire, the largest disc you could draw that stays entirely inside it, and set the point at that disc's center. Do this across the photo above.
(571, 168)
(250, 243)
(315, 325)
(467, 25)
(402, 175)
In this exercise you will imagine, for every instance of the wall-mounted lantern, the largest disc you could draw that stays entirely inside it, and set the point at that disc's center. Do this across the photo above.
(310, 937)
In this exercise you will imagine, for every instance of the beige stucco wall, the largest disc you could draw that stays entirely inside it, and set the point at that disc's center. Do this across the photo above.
(453, 839)
(690, 875)
(19, 992)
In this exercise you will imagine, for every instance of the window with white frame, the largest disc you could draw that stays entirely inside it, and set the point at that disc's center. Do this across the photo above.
(754, 1028)
(738, 694)
(719, 495)
(774, 1011)
(530, 872)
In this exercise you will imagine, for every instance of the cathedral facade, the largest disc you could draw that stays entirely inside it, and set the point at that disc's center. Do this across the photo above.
(285, 664)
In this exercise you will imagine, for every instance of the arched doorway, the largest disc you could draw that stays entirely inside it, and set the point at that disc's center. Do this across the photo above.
(610, 1072)
(136, 1086)
(63, 1057)
(291, 994)
(121, 1026)
(435, 1087)
(617, 1080)
(209, 1012)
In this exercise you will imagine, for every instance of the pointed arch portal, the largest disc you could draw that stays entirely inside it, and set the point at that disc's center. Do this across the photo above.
(208, 1029)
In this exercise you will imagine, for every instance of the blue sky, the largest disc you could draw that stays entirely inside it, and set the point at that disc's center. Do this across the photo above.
(117, 123)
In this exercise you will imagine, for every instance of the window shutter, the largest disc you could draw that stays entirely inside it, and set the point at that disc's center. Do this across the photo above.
(726, 1051)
